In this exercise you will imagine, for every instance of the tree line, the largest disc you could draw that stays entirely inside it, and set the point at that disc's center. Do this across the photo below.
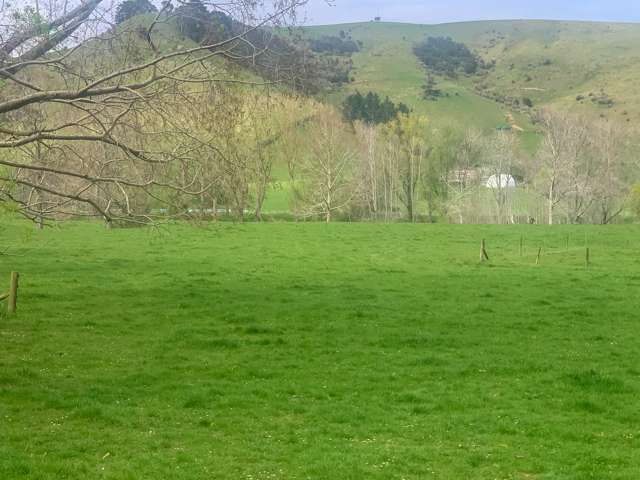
(371, 108)
(443, 55)
(275, 57)
(93, 119)
(127, 124)
(583, 171)
(334, 45)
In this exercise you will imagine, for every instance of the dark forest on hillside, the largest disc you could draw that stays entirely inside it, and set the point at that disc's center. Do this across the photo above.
(446, 56)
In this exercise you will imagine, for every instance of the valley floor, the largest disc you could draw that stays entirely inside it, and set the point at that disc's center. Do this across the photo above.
(312, 351)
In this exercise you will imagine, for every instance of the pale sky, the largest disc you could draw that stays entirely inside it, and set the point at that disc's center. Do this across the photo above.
(433, 11)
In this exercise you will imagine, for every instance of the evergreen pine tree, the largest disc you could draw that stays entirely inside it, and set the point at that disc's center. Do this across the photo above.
(431, 90)
(370, 109)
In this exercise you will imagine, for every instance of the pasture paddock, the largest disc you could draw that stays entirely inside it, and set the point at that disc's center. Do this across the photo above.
(312, 351)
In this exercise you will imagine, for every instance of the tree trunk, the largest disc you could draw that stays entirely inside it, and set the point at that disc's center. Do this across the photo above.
(409, 194)
(550, 206)
(258, 212)
(430, 206)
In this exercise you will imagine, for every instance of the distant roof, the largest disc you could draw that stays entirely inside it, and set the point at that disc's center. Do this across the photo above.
(503, 180)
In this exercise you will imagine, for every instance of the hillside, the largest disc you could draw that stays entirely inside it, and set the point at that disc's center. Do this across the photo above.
(257, 150)
(551, 63)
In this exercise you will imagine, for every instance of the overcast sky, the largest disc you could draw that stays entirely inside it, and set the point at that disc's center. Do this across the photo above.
(434, 11)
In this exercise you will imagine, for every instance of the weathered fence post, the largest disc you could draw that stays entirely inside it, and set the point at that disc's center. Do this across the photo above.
(483, 252)
(521, 244)
(12, 300)
(587, 259)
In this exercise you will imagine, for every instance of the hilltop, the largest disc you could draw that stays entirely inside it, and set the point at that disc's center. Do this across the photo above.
(262, 148)
(587, 67)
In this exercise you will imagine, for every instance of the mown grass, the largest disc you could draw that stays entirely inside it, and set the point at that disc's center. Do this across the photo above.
(346, 351)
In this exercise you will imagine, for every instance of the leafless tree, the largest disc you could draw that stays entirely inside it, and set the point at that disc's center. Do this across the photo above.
(463, 182)
(406, 146)
(500, 159)
(369, 169)
(86, 117)
(616, 169)
(324, 176)
(390, 179)
(563, 168)
(585, 165)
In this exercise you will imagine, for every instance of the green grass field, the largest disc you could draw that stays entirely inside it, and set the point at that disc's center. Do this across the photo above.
(312, 351)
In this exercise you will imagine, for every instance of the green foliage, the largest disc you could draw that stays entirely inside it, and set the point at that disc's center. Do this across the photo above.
(273, 57)
(333, 71)
(410, 138)
(371, 109)
(443, 55)
(442, 159)
(431, 90)
(299, 351)
(334, 45)
(194, 20)
(131, 8)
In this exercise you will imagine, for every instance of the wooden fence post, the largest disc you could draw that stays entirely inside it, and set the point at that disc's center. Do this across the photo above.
(12, 300)
(521, 244)
(483, 252)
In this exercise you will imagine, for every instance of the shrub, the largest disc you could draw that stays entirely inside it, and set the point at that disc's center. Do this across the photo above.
(334, 45)
(442, 54)
(371, 109)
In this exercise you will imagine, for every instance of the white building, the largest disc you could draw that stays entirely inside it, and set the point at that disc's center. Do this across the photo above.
(502, 180)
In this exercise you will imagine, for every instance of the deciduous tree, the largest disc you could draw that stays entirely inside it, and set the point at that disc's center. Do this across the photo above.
(407, 141)
(324, 183)
(95, 85)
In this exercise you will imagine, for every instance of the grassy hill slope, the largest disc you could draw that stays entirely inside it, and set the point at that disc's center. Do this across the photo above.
(549, 62)
(386, 64)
